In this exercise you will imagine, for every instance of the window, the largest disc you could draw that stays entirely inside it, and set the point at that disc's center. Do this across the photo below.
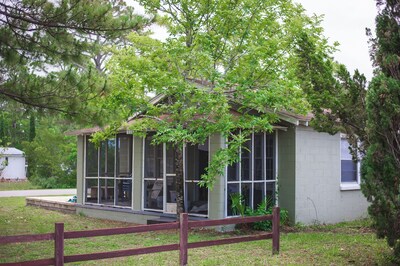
(108, 171)
(253, 176)
(350, 174)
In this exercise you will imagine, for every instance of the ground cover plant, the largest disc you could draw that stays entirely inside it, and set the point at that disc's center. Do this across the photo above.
(22, 185)
(341, 244)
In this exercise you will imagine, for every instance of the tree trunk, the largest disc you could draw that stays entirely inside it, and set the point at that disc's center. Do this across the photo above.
(179, 181)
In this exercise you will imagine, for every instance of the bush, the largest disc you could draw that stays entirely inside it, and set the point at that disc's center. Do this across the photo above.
(265, 208)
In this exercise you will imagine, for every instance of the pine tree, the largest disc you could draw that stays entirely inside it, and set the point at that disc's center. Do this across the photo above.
(381, 166)
(51, 51)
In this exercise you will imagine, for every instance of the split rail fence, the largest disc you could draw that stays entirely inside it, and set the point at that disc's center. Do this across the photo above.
(183, 225)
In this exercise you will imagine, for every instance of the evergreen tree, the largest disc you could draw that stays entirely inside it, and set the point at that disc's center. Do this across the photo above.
(46, 49)
(32, 127)
(381, 165)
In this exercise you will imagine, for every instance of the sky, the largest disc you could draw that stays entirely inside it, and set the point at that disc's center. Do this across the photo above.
(344, 22)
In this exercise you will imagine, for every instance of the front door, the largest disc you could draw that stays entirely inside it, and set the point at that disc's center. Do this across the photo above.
(170, 180)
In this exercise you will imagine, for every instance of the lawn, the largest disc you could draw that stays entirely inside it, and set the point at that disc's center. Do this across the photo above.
(22, 185)
(342, 244)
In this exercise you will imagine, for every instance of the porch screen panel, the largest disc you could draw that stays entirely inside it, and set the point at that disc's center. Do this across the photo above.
(92, 188)
(124, 156)
(197, 199)
(196, 157)
(170, 160)
(107, 191)
(258, 156)
(153, 194)
(270, 156)
(153, 159)
(106, 166)
(256, 179)
(124, 192)
(246, 161)
(91, 159)
(233, 190)
(153, 186)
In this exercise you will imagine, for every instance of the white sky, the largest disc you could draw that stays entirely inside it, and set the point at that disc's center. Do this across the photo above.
(344, 22)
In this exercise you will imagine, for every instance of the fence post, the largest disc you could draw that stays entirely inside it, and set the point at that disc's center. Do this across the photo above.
(183, 239)
(275, 230)
(59, 244)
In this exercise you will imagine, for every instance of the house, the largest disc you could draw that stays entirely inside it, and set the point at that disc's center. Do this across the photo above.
(12, 164)
(310, 174)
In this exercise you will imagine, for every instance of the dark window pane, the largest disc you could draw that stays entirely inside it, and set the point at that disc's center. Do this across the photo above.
(153, 194)
(124, 192)
(233, 189)
(258, 195)
(170, 160)
(197, 199)
(233, 172)
(91, 190)
(270, 194)
(270, 156)
(349, 171)
(247, 189)
(196, 161)
(91, 159)
(258, 156)
(103, 152)
(107, 191)
(153, 160)
(110, 158)
(124, 153)
(245, 161)
(171, 188)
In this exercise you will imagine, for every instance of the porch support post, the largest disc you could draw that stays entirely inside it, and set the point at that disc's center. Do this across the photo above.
(183, 239)
(275, 230)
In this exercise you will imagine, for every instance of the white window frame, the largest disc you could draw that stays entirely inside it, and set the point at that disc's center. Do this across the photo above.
(348, 185)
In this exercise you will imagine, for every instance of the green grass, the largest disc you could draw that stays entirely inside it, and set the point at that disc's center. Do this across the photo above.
(21, 185)
(342, 244)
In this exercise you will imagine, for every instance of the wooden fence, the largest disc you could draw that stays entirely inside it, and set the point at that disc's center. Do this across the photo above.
(183, 225)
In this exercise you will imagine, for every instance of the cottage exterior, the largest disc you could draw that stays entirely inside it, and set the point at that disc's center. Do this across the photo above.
(12, 164)
(310, 174)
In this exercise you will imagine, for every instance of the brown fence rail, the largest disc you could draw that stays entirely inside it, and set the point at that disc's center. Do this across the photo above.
(183, 225)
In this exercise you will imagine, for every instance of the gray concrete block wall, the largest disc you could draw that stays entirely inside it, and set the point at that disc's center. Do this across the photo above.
(286, 171)
(318, 195)
(80, 171)
(216, 196)
(116, 215)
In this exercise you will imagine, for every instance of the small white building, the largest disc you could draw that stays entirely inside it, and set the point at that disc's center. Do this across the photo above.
(12, 164)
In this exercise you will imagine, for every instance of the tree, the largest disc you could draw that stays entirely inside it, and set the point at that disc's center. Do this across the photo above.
(381, 165)
(46, 46)
(221, 58)
(370, 117)
(51, 156)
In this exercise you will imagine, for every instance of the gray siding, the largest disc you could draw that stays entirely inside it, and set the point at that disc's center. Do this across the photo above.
(286, 171)
(80, 171)
(137, 172)
(318, 195)
(216, 195)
